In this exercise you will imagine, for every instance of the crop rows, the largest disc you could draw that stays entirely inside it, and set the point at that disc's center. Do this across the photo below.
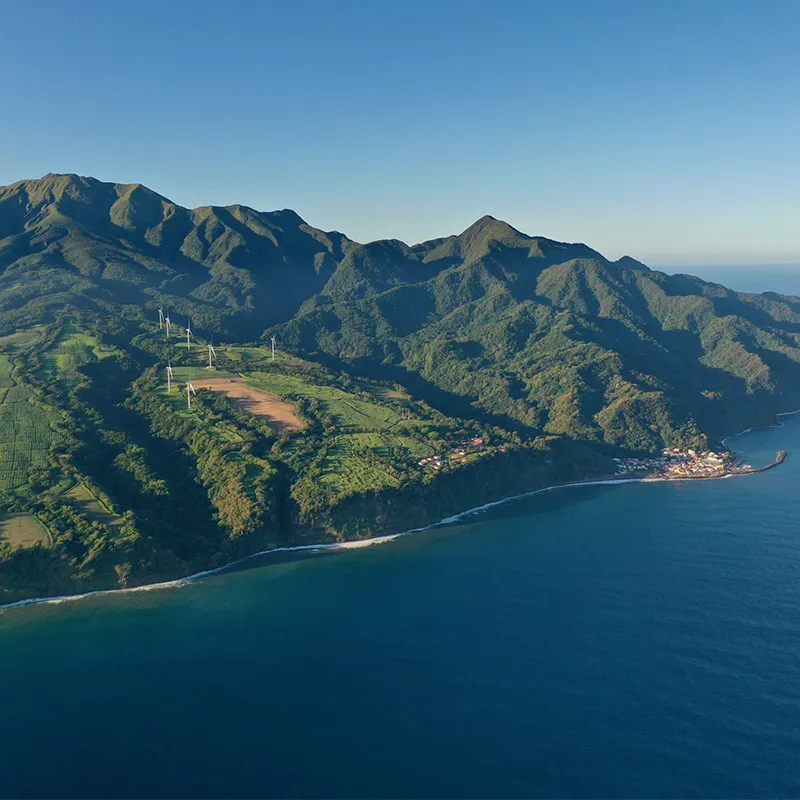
(25, 437)
(345, 470)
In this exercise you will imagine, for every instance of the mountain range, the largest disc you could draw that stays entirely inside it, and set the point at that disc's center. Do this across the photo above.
(520, 330)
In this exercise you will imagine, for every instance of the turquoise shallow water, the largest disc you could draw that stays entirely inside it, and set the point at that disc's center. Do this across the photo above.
(628, 641)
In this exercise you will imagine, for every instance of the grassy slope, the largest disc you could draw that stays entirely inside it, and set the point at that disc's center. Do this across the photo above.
(88, 504)
(347, 410)
(71, 349)
(22, 530)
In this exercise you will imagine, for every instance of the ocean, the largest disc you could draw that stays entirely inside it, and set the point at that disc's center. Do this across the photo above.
(640, 640)
(780, 278)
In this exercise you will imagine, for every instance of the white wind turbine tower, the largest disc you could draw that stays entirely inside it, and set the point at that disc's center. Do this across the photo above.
(160, 318)
(189, 334)
(168, 323)
(273, 348)
(189, 392)
(170, 375)
(211, 352)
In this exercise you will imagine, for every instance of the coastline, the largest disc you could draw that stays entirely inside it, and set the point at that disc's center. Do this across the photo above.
(778, 424)
(382, 539)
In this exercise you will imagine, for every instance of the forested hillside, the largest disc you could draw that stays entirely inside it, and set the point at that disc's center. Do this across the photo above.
(556, 338)
(419, 380)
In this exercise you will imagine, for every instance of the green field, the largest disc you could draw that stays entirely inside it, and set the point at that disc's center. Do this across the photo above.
(245, 354)
(73, 348)
(21, 339)
(347, 410)
(91, 505)
(259, 355)
(183, 374)
(348, 467)
(23, 530)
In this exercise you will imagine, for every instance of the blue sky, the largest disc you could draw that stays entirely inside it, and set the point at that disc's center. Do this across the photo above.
(666, 130)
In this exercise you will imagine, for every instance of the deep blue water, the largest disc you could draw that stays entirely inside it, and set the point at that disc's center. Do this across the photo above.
(627, 641)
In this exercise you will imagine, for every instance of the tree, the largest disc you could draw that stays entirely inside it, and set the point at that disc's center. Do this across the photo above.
(123, 572)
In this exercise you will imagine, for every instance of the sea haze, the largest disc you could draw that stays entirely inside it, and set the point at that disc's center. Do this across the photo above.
(629, 641)
(780, 278)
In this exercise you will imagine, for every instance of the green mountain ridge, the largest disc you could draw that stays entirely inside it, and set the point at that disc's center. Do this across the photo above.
(217, 264)
(549, 334)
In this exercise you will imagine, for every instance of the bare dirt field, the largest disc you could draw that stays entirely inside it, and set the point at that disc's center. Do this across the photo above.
(276, 411)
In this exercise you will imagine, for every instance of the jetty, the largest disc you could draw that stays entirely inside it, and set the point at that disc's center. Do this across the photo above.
(780, 457)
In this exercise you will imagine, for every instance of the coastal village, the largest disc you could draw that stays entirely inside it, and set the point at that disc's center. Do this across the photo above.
(674, 463)
(461, 451)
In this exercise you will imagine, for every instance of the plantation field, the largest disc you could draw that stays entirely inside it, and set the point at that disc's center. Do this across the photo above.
(25, 437)
(373, 444)
(347, 410)
(262, 355)
(23, 530)
(346, 470)
(252, 354)
(361, 461)
(5, 376)
(381, 443)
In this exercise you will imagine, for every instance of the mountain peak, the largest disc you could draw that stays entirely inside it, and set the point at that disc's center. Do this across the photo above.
(489, 226)
(476, 241)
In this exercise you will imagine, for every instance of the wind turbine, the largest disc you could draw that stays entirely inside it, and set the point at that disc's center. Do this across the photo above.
(189, 392)
(211, 352)
(189, 334)
(170, 375)
(273, 348)
(160, 318)
(167, 322)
